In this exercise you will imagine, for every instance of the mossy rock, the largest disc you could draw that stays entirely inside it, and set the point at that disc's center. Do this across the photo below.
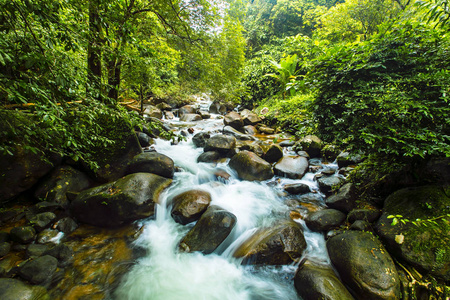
(113, 160)
(424, 244)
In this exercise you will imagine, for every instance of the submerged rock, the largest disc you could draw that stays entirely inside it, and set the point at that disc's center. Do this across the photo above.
(14, 289)
(210, 231)
(250, 166)
(364, 265)
(190, 205)
(116, 203)
(39, 270)
(424, 245)
(152, 162)
(293, 167)
(23, 235)
(317, 281)
(281, 244)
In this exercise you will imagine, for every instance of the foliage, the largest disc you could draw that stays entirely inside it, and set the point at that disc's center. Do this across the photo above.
(437, 11)
(287, 74)
(388, 95)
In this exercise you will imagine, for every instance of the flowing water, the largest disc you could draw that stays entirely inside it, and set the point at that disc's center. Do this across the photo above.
(167, 274)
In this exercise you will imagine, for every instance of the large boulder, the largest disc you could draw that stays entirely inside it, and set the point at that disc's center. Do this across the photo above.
(39, 270)
(200, 139)
(152, 162)
(217, 108)
(328, 183)
(311, 144)
(239, 135)
(273, 154)
(364, 265)
(210, 231)
(250, 118)
(113, 160)
(116, 203)
(190, 118)
(325, 219)
(234, 120)
(250, 166)
(21, 171)
(209, 157)
(190, 205)
(344, 200)
(221, 143)
(280, 244)
(14, 289)
(345, 159)
(153, 111)
(297, 188)
(425, 244)
(187, 109)
(59, 182)
(23, 234)
(293, 167)
(315, 281)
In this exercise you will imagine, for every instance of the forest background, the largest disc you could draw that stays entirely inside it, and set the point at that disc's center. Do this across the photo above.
(367, 76)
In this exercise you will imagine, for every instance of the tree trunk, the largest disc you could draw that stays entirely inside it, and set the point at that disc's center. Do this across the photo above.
(94, 50)
(114, 69)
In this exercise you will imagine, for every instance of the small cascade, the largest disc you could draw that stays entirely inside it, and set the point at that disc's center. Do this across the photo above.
(166, 273)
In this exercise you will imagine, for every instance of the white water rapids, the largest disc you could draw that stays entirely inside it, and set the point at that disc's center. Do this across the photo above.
(167, 274)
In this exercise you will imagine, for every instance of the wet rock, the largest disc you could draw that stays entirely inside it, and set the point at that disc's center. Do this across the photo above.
(281, 244)
(116, 203)
(328, 183)
(66, 225)
(250, 118)
(297, 188)
(364, 265)
(169, 115)
(330, 152)
(187, 109)
(5, 247)
(316, 281)
(361, 226)
(251, 130)
(59, 182)
(23, 170)
(209, 157)
(22, 235)
(152, 162)
(293, 167)
(200, 139)
(266, 130)
(221, 175)
(254, 147)
(239, 135)
(250, 166)
(311, 144)
(157, 130)
(221, 143)
(62, 252)
(210, 231)
(39, 270)
(14, 289)
(42, 220)
(324, 220)
(113, 160)
(36, 250)
(190, 117)
(273, 154)
(190, 205)
(287, 143)
(205, 115)
(11, 215)
(366, 214)
(47, 236)
(4, 236)
(425, 245)
(163, 106)
(144, 139)
(345, 159)
(153, 111)
(344, 200)
(234, 120)
(217, 108)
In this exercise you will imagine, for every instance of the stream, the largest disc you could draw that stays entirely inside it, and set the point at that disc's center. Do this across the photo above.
(165, 273)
